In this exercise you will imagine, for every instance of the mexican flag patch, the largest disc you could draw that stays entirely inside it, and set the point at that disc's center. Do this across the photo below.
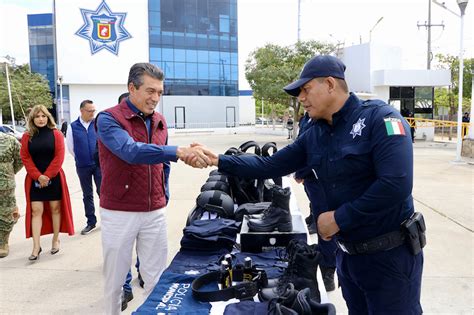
(394, 126)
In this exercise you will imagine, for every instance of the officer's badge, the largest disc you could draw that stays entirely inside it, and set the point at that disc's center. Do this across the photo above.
(357, 128)
(103, 29)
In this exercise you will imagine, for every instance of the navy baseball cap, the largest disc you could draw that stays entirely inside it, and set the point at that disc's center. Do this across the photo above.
(317, 67)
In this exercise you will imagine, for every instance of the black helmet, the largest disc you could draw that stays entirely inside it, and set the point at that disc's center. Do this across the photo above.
(217, 178)
(212, 201)
(216, 185)
(214, 172)
(250, 144)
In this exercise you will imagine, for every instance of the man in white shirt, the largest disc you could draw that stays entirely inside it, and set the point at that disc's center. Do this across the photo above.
(81, 140)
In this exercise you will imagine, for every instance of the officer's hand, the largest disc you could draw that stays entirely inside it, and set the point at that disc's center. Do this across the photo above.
(214, 158)
(299, 180)
(327, 226)
(193, 156)
(211, 155)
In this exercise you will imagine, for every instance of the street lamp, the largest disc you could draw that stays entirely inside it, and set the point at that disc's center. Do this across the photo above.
(7, 62)
(61, 107)
(471, 122)
(462, 6)
(376, 23)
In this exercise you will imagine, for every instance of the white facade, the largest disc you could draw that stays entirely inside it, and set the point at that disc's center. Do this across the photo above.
(77, 65)
(200, 111)
(102, 76)
(247, 110)
(373, 68)
(103, 96)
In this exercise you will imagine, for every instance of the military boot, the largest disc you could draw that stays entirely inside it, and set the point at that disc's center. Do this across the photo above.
(301, 272)
(305, 305)
(278, 216)
(4, 249)
(282, 304)
(328, 278)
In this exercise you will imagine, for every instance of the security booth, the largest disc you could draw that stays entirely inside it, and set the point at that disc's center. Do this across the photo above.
(413, 99)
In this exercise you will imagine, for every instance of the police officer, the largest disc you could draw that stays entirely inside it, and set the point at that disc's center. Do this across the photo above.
(318, 204)
(363, 156)
(10, 164)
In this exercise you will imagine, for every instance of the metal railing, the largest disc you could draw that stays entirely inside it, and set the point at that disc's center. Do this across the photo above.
(442, 128)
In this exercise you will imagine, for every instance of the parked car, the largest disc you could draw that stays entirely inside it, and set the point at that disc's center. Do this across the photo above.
(17, 132)
(261, 121)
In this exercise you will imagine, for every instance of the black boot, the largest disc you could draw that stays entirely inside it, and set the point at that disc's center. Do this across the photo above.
(305, 305)
(278, 309)
(301, 272)
(253, 210)
(328, 278)
(312, 229)
(127, 296)
(278, 216)
(286, 299)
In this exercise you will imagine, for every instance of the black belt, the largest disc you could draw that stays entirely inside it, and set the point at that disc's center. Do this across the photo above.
(239, 291)
(380, 243)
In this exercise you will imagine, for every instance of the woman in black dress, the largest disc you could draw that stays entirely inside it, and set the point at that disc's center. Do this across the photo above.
(42, 153)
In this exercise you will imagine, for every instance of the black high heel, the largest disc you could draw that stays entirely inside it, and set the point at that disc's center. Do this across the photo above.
(35, 257)
(55, 250)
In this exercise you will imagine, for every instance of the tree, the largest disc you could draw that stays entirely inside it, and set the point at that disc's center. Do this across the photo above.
(27, 88)
(449, 97)
(268, 69)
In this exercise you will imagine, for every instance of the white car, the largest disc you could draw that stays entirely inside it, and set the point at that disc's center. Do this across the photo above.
(17, 133)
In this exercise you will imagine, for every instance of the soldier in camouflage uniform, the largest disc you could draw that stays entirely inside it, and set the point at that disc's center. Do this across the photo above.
(10, 164)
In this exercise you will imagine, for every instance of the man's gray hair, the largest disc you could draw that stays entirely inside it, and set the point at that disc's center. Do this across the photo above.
(137, 71)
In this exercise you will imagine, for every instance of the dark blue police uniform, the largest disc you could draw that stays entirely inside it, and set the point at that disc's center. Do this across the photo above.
(317, 200)
(364, 162)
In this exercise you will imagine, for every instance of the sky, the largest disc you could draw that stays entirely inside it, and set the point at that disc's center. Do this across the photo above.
(347, 22)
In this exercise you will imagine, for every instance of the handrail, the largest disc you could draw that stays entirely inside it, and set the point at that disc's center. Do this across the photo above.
(423, 122)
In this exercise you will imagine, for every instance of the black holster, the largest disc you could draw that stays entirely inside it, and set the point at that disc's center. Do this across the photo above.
(414, 228)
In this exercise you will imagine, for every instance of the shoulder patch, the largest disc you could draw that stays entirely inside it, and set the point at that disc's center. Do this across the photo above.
(394, 126)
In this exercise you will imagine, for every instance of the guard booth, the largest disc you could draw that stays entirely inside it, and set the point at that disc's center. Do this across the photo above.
(414, 99)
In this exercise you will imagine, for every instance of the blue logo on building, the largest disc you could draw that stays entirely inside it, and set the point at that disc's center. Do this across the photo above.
(103, 29)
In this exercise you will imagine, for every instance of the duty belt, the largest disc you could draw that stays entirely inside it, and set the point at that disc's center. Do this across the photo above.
(380, 243)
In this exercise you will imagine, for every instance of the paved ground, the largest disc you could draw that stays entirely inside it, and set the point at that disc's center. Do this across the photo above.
(71, 281)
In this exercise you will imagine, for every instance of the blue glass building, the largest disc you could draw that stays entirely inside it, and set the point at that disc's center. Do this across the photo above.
(41, 40)
(195, 43)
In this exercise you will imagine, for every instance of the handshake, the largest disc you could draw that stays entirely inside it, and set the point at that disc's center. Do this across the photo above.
(197, 155)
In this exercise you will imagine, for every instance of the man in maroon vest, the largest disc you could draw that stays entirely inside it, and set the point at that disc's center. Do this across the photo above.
(135, 162)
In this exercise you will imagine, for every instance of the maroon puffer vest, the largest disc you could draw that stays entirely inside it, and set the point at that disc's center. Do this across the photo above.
(133, 187)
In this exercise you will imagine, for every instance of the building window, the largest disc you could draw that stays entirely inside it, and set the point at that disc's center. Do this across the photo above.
(195, 42)
(417, 100)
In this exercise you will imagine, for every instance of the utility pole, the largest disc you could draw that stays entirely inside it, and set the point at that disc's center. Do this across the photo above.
(428, 27)
(299, 21)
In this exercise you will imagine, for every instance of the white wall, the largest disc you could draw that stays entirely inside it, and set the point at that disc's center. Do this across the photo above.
(384, 57)
(357, 61)
(246, 110)
(412, 77)
(103, 96)
(75, 62)
(200, 111)
(382, 93)
(361, 60)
